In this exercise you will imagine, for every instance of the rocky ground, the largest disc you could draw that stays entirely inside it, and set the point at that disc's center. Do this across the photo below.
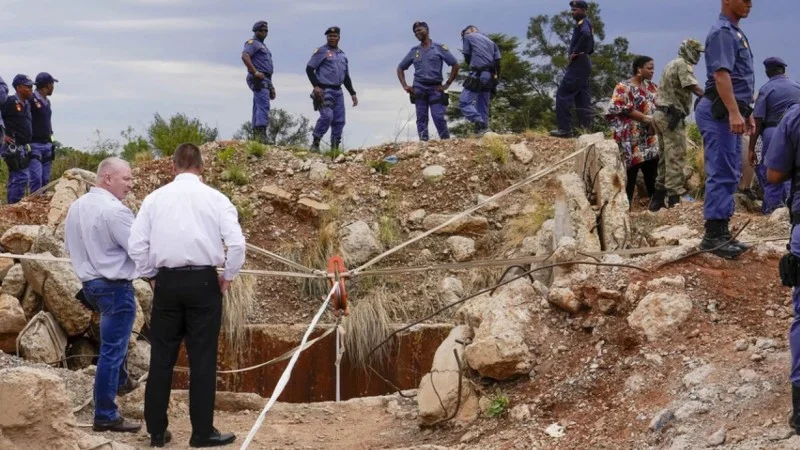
(687, 353)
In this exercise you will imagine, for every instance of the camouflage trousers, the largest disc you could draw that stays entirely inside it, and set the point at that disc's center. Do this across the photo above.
(672, 155)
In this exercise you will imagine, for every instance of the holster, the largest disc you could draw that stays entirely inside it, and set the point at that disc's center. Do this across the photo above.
(18, 159)
(789, 270)
(50, 155)
(316, 101)
(473, 82)
(675, 117)
(718, 109)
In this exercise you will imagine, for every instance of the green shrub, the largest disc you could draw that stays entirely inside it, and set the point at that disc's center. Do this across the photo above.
(166, 135)
(236, 175)
(256, 149)
(226, 155)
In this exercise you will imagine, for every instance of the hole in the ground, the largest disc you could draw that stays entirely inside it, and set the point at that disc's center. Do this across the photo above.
(314, 376)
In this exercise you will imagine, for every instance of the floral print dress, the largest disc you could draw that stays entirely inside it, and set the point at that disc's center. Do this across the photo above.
(635, 142)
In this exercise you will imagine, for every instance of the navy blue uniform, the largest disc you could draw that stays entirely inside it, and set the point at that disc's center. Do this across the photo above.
(261, 58)
(428, 62)
(17, 117)
(331, 68)
(483, 56)
(42, 154)
(574, 87)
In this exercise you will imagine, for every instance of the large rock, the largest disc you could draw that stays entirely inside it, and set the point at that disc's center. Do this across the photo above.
(585, 141)
(44, 341)
(461, 247)
(58, 284)
(438, 392)
(521, 152)
(36, 413)
(499, 350)
(659, 313)
(433, 173)
(31, 302)
(12, 321)
(610, 196)
(20, 238)
(464, 225)
(359, 243)
(5, 265)
(139, 359)
(670, 235)
(318, 171)
(565, 290)
(144, 297)
(450, 290)
(574, 216)
(81, 353)
(69, 188)
(14, 282)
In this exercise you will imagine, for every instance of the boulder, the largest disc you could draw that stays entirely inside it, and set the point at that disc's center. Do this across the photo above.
(20, 238)
(416, 217)
(44, 341)
(14, 282)
(670, 235)
(5, 265)
(464, 225)
(609, 195)
(69, 188)
(273, 192)
(450, 290)
(359, 243)
(659, 313)
(521, 152)
(58, 284)
(318, 171)
(144, 297)
(574, 216)
(499, 350)
(12, 321)
(81, 352)
(139, 359)
(433, 173)
(442, 383)
(31, 302)
(461, 247)
(585, 141)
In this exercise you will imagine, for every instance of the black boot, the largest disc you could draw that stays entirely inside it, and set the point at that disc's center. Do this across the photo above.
(562, 133)
(315, 145)
(260, 134)
(657, 201)
(794, 419)
(715, 237)
(735, 242)
(336, 143)
(673, 200)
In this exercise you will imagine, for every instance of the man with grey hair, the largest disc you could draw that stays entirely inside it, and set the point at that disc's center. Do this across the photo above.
(96, 236)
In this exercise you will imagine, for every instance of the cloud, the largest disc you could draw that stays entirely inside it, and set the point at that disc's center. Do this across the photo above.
(166, 23)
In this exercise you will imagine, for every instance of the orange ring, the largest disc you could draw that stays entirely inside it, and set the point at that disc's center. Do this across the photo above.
(336, 267)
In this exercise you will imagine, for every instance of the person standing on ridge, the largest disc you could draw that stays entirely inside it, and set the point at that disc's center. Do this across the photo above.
(483, 57)
(258, 60)
(42, 151)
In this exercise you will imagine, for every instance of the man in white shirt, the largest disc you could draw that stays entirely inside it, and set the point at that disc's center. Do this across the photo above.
(96, 236)
(178, 238)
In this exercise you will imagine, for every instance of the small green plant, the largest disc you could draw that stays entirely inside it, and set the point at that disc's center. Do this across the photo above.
(498, 405)
(380, 166)
(226, 155)
(388, 230)
(256, 149)
(334, 153)
(236, 175)
(496, 151)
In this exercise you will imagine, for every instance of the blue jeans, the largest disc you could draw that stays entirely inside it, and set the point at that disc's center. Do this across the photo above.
(117, 305)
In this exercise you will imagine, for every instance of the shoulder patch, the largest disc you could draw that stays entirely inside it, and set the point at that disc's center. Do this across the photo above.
(249, 41)
(316, 50)
(444, 47)
(690, 68)
(580, 22)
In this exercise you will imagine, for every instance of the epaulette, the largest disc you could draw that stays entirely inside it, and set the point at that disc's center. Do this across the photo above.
(249, 41)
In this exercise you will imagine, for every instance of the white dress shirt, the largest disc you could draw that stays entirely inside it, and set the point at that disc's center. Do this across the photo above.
(185, 223)
(96, 237)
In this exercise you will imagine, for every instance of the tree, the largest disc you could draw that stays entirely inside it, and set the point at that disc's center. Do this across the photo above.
(134, 145)
(610, 62)
(165, 136)
(285, 129)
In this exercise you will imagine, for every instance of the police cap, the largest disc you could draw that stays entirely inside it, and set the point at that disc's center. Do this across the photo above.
(259, 25)
(774, 61)
(44, 78)
(579, 4)
(21, 79)
(334, 30)
(419, 24)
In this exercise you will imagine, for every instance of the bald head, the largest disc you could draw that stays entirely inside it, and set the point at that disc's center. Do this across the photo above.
(114, 175)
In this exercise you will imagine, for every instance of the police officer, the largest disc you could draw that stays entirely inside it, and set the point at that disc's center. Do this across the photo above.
(258, 60)
(673, 105)
(723, 116)
(428, 89)
(42, 152)
(483, 57)
(574, 87)
(16, 112)
(773, 99)
(3, 97)
(327, 70)
(782, 161)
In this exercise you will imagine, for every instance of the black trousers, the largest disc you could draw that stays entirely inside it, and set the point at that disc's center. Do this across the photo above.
(649, 170)
(186, 305)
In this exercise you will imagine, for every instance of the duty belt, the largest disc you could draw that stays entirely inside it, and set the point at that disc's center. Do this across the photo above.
(337, 87)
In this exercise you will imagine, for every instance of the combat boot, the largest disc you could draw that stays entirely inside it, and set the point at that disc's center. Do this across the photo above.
(714, 238)
(336, 143)
(260, 134)
(727, 234)
(673, 200)
(794, 419)
(315, 145)
(657, 201)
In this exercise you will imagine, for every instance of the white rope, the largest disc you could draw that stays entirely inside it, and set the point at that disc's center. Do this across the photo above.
(284, 380)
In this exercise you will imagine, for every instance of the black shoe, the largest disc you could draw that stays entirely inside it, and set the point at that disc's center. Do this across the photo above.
(480, 129)
(120, 425)
(657, 201)
(335, 144)
(794, 419)
(735, 242)
(714, 238)
(129, 386)
(561, 133)
(160, 439)
(315, 145)
(215, 440)
(673, 200)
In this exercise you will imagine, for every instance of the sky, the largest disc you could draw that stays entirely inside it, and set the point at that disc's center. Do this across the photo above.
(119, 62)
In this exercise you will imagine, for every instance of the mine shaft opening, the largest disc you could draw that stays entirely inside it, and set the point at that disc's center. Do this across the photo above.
(313, 378)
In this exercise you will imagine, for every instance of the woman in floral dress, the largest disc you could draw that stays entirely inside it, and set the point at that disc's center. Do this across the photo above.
(631, 116)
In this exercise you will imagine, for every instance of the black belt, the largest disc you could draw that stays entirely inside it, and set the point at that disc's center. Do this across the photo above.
(429, 83)
(113, 281)
(186, 268)
(771, 124)
(337, 87)
(795, 217)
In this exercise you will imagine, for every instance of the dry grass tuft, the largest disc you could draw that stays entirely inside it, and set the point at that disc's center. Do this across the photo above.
(236, 307)
(528, 224)
(495, 150)
(316, 255)
(369, 323)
